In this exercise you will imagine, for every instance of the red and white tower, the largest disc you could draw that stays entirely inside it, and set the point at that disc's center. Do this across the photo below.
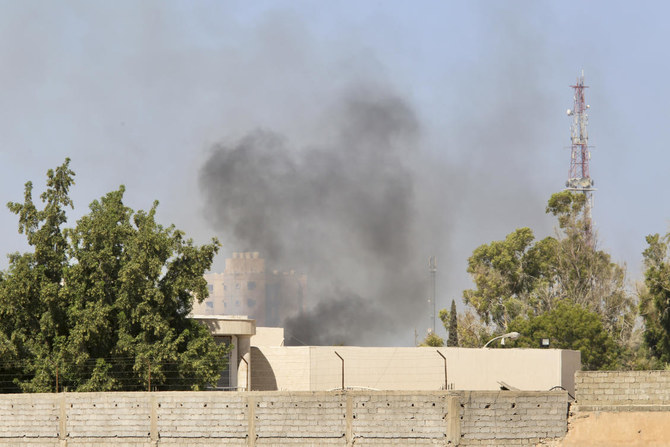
(579, 178)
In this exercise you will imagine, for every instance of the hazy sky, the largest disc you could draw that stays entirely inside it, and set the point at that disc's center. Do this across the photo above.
(138, 93)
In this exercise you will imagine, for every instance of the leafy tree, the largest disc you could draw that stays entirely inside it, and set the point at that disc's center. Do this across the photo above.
(508, 274)
(655, 298)
(570, 326)
(104, 304)
(432, 339)
(470, 330)
(32, 305)
(587, 275)
(517, 277)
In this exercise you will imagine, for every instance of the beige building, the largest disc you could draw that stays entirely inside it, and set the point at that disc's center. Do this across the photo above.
(260, 361)
(246, 288)
(317, 368)
(238, 331)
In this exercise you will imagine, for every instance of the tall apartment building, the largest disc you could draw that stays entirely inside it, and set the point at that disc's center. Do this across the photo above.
(246, 288)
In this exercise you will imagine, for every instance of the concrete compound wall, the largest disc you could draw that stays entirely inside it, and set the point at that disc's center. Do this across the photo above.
(338, 418)
(620, 408)
(602, 390)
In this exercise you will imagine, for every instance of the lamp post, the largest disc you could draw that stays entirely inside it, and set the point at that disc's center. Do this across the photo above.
(510, 335)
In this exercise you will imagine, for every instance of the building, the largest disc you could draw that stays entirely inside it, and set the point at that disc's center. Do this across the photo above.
(260, 362)
(238, 331)
(246, 288)
(320, 368)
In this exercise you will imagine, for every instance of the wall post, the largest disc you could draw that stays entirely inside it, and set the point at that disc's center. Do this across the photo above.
(348, 416)
(154, 419)
(251, 423)
(62, 420)
(453, 419)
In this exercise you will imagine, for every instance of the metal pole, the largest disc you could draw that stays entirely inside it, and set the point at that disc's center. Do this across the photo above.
(446, 385)
(342, 367)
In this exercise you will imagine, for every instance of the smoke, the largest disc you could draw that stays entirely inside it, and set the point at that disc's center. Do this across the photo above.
(343, 210)
(362, 202)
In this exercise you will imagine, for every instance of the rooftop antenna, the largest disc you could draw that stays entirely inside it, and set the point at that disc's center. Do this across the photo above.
(579, 177)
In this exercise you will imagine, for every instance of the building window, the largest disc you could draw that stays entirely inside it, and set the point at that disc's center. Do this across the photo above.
(224, 287)
(237, 304)
(225, 305)
(251, 285)
(209, 305)
(237, 286)
(210, 287)
(251, 303)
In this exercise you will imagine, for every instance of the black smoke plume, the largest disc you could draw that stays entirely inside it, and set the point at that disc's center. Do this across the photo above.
(343, 210)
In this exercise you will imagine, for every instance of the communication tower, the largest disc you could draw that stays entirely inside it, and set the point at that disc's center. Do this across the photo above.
(432, 269)
(579, 178)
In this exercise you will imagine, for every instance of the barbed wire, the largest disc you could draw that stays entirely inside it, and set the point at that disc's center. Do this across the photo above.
(109, 373)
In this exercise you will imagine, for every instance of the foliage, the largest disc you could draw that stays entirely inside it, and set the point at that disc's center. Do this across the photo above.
(453, 326)
(655, 298)
(471, 331)
(103, 305)
(587, 275)
(570, 326)
(503, 286)
(432, 339)
(519, 278)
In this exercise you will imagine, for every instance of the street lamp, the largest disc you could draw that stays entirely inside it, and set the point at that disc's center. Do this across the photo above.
(510, 335)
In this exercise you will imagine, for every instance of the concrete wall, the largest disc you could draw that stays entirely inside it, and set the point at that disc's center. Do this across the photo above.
(314, 368)
(620, 408)
(281, 418)
(602, 390)
(508, 417)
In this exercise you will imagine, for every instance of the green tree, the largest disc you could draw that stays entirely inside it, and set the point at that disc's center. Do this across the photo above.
(470, 329)
(655, 298)
(32, 305)
(570, 326)
(104, 304)
(453, 326)
(432, 339)
(508, 275)
(519, 277)
(587, 275)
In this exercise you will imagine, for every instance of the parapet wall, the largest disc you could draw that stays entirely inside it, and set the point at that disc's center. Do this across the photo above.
(339, 418)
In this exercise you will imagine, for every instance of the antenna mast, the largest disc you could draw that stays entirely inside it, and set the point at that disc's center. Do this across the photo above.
(432, 268)
(579, 178)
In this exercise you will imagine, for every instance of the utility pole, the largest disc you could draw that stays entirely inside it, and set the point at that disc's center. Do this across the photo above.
(579, 177)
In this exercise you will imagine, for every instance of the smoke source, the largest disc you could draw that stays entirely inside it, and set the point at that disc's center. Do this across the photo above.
(343, 210)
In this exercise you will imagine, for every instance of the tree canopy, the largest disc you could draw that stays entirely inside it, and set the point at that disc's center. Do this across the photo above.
(655, 297)
(432, 340)
(518, 276)
(570, 326)
(519, 279)
(103, 305)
